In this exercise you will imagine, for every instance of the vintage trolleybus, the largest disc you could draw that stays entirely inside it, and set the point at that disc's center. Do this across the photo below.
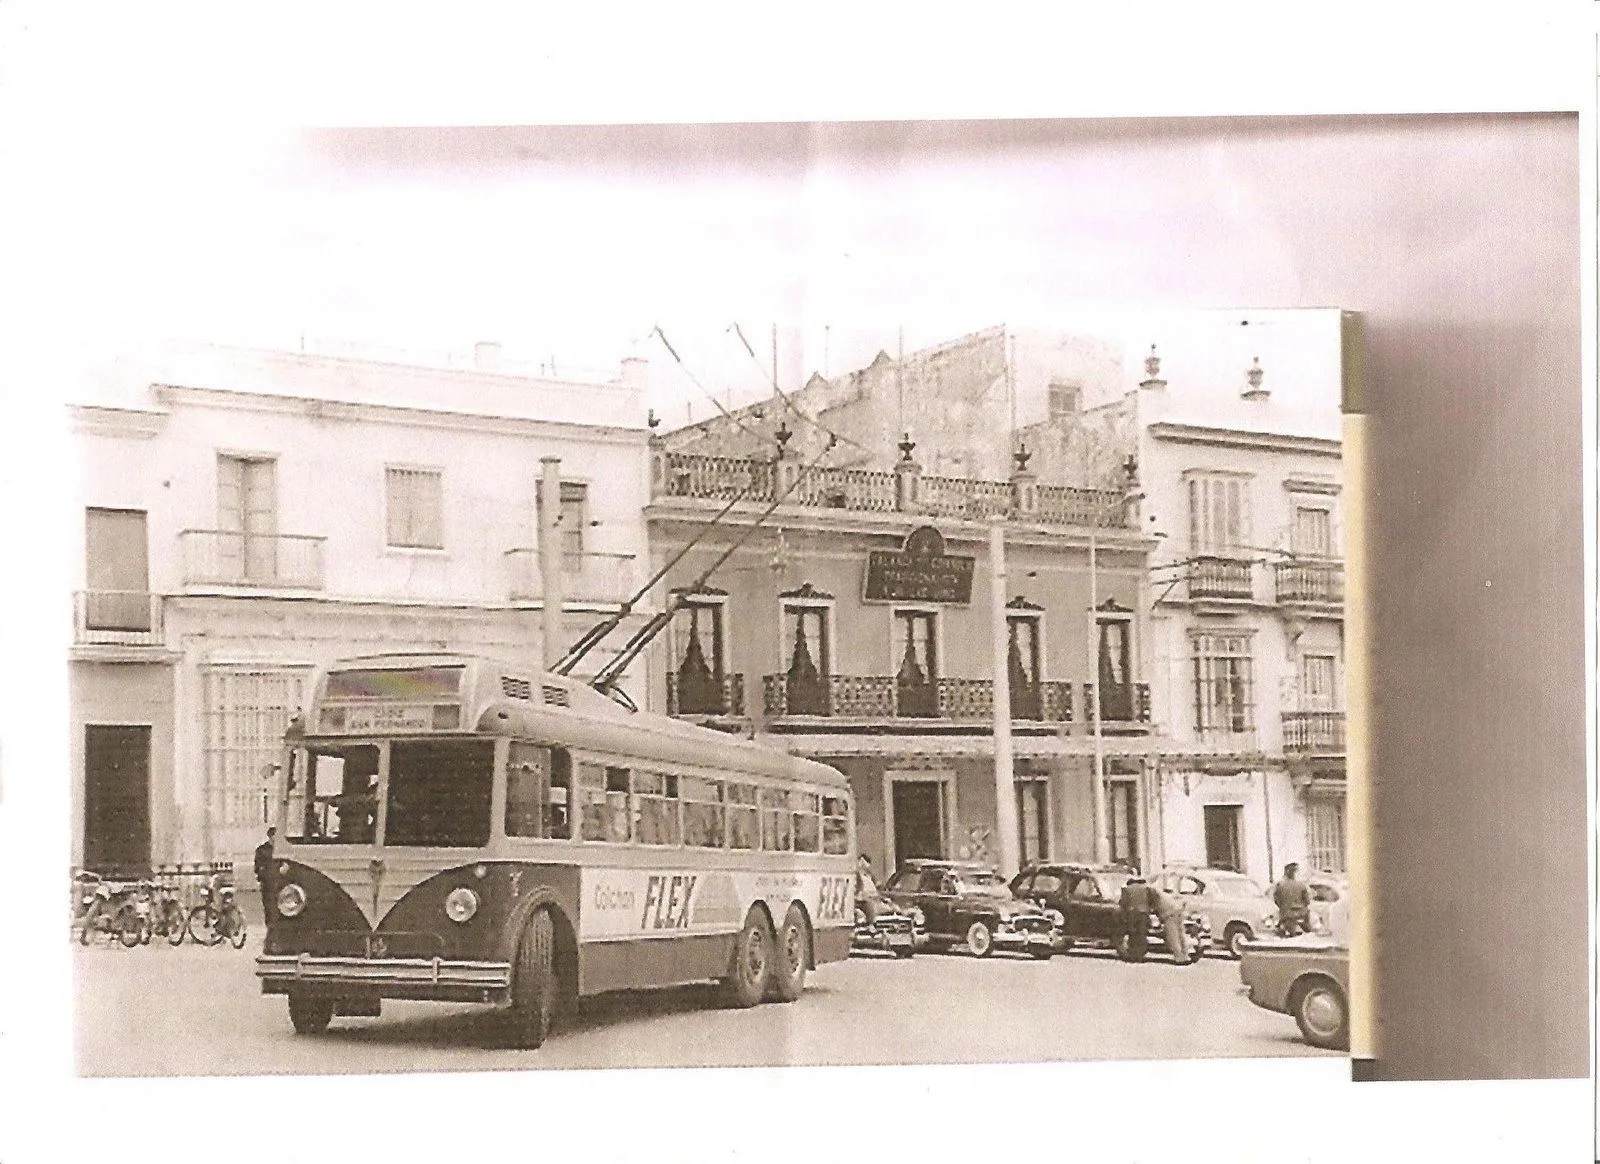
(452, 828)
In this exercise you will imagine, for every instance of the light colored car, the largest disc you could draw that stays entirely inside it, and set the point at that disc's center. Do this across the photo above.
(1330, 895)
(1307, 977)
(1236, 907)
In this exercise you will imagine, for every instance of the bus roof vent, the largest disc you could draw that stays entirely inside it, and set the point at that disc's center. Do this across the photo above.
(557, 696)
(516, 688)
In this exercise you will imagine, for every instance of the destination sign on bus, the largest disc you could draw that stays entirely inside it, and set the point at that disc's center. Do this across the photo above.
(388, 717)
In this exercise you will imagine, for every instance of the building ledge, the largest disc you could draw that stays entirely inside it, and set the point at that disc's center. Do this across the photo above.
(122, 653)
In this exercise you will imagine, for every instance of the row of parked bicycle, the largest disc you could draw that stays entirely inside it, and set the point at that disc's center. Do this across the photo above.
(194, 901)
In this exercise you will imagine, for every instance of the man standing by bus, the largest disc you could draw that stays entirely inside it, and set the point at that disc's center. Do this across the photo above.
(264, 878)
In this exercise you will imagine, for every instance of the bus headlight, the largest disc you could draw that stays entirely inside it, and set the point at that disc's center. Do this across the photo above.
(461, 905)
(291, 901)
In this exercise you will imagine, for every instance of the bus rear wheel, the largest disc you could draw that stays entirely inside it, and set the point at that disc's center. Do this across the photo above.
(533, 985)
(746, 981)
(794, 953)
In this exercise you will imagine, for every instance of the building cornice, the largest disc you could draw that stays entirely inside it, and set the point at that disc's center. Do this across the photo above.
(106, 420)
(1232, 438)
(1316, 485)
(318, 408)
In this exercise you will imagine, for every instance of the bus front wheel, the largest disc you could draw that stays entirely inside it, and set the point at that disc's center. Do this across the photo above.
(794, 952)
(746, 983)
(533, 984)
(309, 1015)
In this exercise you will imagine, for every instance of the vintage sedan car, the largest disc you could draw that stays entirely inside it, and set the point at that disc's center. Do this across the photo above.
(968, 904)
(1084, 902)
(883, 925)
(1307, 977)
(1330, 892)
(1237, 908)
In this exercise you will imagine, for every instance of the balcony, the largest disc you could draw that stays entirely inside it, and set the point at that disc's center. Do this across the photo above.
(1306, 583)
(128, 618)
(1313, 732)
(878, 491)
(1126, 708)
(1220, 578)
(586, 577)
(862, 699)
(213, 557)
(724, 698)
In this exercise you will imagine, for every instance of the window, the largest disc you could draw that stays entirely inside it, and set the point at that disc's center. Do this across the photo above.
(1317, 683)
(1224, 832)
(247, 519)
(603, 802)
(807, 822)
(538, 791)
(702, 812)
(699, 644)
(1223, 696)
(807, 658)
(916, 663)
(1122, 808)
(117, 570)
(655, 808)
(1066, 399)
(1114, 659)
(1219, 514)
(1047, 883)
(333, 796)
(246, 714)
(439, 793)
(835, 825)
(416, 508)
(777, 822)
(1325, 834)
(1086, 889)
(570, 522)
(1313, 532)
(744, 830)
(1022, 665)
(1032, 817)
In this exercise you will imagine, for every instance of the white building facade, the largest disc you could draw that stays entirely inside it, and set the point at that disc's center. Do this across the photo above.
(250, 516)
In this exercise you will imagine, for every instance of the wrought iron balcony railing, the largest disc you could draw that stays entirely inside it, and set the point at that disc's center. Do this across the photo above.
(885, 697)
(1313, 731)
(727, 699)
(116, 617)
(1123, 704)
(586, 577)
(1212, 577)
(1310, 583)
(214, 557)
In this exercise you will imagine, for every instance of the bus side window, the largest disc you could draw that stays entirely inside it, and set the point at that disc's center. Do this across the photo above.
(777, 826)
(702, 812)
(558, 819)
(617, 807)
(835, 825)
(744, 826)
(807, 822)
(594, 814)
(655, 808)
(526, 779)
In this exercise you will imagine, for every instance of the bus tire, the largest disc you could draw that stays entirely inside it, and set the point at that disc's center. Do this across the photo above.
(751, 965)
(788, 978)
(533, 985)
(308, 1014)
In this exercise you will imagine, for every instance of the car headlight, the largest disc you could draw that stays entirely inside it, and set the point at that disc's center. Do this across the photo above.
(918, 916)
(461, 905)
(1057, 918)
(291, 901)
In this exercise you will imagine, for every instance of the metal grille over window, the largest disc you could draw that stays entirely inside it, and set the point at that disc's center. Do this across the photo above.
(246, 714)
(1223, 695)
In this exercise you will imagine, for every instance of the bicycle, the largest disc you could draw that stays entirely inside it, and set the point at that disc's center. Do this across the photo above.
(169, 920)
(217, 918)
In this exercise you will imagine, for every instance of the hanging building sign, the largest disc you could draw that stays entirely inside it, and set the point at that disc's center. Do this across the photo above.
(920, 571)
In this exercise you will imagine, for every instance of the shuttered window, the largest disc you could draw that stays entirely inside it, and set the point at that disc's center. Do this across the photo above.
(415, 508)
(1325, 833)
(1219, 514)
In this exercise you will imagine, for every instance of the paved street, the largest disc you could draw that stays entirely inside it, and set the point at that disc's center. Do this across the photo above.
(157, 1011)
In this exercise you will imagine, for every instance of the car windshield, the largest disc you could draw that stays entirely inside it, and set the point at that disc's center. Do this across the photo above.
(1111, 883)
(1235, 886)
(984, 884)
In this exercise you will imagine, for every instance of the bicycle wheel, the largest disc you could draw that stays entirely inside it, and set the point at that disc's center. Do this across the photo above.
(236, 928)
(130, 928)
(174, 922)
(203, 926)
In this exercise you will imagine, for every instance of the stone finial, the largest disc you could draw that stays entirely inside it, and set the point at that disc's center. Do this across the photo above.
(1254, 377)
(1152, 372)
(1022, 456)
(906, 447)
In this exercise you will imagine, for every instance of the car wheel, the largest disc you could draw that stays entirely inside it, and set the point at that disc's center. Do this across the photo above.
(1323, 1015)
(1065, 946)
(906, 952)
(980, 940)
(1042, 955)
(1234, 937)
(310, 1016)
(788, 978)
(746, 980)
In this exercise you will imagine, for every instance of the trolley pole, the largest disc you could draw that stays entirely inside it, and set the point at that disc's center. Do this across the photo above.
(1005, 796)
(550, 558)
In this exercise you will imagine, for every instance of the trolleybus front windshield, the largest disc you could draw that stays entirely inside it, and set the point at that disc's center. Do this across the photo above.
(439, 794)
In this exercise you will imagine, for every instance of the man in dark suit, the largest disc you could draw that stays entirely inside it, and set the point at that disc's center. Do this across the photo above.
(264, 877)
(1137, 903)
(1293, 899)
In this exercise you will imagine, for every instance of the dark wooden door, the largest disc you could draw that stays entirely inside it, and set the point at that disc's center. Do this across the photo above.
(1222, 837)
(918, 827)
(116, 809)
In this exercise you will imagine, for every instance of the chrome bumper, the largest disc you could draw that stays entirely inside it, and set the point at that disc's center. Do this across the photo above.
(384, 971)
(1022, 939)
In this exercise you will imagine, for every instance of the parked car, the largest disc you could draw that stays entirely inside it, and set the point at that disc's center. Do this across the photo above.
(968, 904)
(883, 925)
(1083, 901)
(1236, 908)
(1307, 977)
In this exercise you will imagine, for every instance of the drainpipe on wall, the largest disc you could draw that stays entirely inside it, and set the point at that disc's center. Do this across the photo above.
(1005, 791)
(1266, 809)
(550, 558)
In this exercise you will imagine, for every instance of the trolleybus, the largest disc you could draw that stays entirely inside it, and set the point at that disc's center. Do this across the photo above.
(456, 829)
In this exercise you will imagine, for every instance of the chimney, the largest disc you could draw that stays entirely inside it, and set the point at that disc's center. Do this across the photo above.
(486, 356)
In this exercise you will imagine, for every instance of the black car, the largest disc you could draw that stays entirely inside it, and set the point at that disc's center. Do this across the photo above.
(968, 904)
(1083, 901)
(882, 925)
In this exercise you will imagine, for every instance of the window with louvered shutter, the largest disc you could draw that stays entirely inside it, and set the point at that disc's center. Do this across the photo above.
(415, 508)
